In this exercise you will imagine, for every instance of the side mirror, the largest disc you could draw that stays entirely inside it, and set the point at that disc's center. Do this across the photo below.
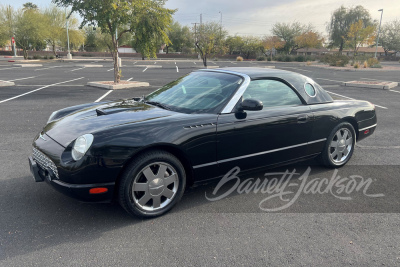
(251, 104)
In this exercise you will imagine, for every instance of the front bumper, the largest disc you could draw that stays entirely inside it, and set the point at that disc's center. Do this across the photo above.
(77, 191)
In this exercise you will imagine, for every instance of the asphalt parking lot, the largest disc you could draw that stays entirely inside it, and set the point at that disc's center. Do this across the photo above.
(40, 227)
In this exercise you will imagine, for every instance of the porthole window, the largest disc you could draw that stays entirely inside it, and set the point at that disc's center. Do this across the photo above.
(310, 90)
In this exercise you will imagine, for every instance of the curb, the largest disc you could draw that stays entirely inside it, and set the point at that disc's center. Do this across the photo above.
(5, 83)
(377, 85)
(131, 84)
(28, 65)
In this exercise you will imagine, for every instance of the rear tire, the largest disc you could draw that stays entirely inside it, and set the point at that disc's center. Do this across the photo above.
(152, 184)
(339, 146)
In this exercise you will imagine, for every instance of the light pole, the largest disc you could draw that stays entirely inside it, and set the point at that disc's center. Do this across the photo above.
(69, 56)
(377, 39)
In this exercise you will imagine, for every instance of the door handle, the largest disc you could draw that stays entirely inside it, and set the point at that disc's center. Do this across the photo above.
(302, 119)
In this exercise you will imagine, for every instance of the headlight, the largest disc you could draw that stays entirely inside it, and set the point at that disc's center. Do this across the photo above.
(82, 144)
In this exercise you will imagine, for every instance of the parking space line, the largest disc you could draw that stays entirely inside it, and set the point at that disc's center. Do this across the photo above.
(103, 96)
(129, 79)
(77, 69)
(23, 79)
(394, 91)
(155, 62)
(233, 62)
(175, 62)
(145, 69)
(297, 69)
(110, 69)
(353, 99)
(177, 70)
(194, 63)
(135, 62)
(330, 80)
(10, 68)
(39, 89)
(48, 68)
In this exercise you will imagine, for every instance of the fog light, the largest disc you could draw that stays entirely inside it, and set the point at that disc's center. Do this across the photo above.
(98, 190)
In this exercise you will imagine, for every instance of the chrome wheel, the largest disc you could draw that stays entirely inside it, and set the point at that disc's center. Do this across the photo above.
(155, 186)
(341, 146)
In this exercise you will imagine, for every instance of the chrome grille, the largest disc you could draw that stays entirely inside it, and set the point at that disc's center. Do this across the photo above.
(44, 162)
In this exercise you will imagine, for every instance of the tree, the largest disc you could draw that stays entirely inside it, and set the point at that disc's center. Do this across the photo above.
(30, 29)
(252, 46)
(180, 37)
(391, 36)
(95, 40)
(234, 44)
(29, 5)
(309, 39)
(7, 23)
(144, 18)
(341, 20)
(288, 33)
(208, 40)
(55, 20)
(360, 35)
(272, 43)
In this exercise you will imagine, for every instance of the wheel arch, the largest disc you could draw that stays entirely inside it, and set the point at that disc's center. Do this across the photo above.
(353, 122)
(174, 150)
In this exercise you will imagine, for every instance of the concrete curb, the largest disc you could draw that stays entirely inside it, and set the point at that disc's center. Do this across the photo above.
(376, 85)
(131, 84)
(5, 83)
(28, 65)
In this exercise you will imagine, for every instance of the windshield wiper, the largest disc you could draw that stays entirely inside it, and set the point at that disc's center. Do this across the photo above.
(158, 104)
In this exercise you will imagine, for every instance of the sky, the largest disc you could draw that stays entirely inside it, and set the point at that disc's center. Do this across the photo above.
(256, 17)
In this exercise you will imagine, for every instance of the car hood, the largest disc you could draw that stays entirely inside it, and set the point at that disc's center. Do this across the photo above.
(102, 116)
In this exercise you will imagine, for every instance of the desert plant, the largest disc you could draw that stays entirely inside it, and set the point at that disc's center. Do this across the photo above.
(239, 58)
(309, 63)
(335, 60)
(372, 61)
(365, 64)
(356, 65)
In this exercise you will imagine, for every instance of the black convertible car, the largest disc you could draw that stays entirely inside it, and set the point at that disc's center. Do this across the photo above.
(145, 151)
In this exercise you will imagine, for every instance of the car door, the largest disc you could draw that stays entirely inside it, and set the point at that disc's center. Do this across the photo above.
(278, 133)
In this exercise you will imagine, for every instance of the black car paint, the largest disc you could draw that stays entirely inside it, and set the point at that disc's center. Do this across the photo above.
(206, 143)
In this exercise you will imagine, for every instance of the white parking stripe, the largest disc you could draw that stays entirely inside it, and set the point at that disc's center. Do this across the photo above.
(194, 63)
(135, 62)
(353, 99)
(48, 68)
(23, 78)
(11, 68)
(77, 69)
(155, 62)
(145, 69)
(330, 80)
(129, 79)
(177, 70)
(297, 69)
(106, 94)
(110, 69)
(175, 62)
(39, 89)
(394, 91)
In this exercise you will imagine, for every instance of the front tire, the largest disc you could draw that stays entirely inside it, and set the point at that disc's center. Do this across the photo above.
(339, 146)
(152, 184)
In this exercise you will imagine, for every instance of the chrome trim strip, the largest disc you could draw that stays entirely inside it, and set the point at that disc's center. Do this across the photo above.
(257, 154)
(239, 92)
(369, 127)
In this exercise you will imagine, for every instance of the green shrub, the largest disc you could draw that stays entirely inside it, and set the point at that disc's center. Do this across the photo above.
(36, 57)
(269, 59)
(45, 57)
(300, 58)
(372, 61)
(51, 57)
(261, 58)
(239, 58)
(29, 57)
(335, 60)
(288, 58)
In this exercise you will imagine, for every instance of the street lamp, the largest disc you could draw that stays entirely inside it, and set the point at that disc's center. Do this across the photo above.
(377, 39)
(69, 56)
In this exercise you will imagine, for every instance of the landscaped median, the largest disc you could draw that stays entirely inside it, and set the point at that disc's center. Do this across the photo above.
(372, 84)
(121, 85)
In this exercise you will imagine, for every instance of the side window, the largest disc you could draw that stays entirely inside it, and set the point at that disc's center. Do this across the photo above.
(272, 93)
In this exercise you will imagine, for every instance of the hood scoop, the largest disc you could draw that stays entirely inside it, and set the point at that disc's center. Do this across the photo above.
(117, 109)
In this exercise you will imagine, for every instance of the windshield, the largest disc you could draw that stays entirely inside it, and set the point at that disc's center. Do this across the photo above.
(198, 92)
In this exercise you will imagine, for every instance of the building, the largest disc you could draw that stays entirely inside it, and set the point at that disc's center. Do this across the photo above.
(311, 51)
